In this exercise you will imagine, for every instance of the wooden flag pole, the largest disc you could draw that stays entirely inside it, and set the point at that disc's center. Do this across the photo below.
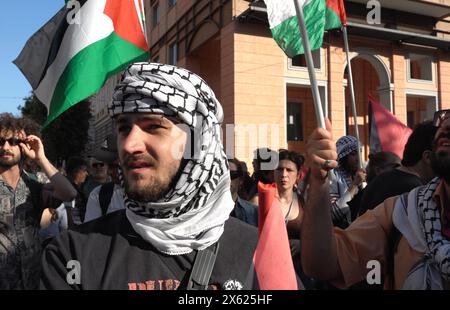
(310, 64)
(352, 92)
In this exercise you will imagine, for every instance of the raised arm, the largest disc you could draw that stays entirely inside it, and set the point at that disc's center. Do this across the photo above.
(318, 246)
(61, 187)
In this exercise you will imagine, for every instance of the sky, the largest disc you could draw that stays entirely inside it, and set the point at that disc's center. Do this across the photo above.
(19, 20)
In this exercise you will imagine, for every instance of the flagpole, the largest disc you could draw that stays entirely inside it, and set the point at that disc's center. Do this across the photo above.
(144, 20)
(310, 64)
(352, 92)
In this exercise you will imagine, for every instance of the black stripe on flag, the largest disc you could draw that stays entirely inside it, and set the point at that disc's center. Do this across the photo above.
(42, 48)
(374, 139)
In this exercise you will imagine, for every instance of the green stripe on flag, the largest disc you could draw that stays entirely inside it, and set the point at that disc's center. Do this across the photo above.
(287, 34)
(333, 20)
(86, 73)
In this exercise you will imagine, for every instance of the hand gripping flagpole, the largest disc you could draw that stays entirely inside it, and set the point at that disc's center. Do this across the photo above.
(352, 92)
(310, 64)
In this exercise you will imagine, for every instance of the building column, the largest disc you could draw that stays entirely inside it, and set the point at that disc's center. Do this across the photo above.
(444, 80)
(336, 65)
(399, 79)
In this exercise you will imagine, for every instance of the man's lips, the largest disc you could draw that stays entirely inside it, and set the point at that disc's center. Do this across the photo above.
(138, 165)
(444, 142)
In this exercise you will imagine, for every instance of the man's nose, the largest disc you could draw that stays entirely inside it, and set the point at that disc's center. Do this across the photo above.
(134, 142)
(5, 146)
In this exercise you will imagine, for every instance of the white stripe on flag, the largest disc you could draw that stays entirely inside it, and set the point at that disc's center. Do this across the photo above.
(280, 10)
(139, 14)
(94, 26)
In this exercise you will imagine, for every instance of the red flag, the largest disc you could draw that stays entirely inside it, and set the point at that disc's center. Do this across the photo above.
(338, 7)
(386, 132)
(273, 260)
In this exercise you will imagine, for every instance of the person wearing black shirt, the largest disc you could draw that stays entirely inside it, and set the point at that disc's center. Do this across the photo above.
(177, 196)
(415, 171)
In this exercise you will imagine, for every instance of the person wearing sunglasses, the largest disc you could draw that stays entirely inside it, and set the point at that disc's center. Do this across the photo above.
(407, 235)
(98, 175)
(107, 197)
(243, 209)
(22, 201)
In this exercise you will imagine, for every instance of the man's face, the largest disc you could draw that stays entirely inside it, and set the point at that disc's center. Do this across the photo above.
(113, 171)
(9, 149)
(440, 158)
(352, 160)
(235, 179)
(150, 148)
(99, 169)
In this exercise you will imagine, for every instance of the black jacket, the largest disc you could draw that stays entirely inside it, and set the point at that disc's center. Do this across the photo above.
(108, 254)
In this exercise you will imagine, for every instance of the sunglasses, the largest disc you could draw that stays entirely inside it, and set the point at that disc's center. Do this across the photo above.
(97, 165)
(11, 141)
(440, 116)
(234, 174)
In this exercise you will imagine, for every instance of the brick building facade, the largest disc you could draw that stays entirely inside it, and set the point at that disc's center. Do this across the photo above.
(404, 62)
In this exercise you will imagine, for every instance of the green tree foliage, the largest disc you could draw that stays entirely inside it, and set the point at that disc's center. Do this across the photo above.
(67, 135)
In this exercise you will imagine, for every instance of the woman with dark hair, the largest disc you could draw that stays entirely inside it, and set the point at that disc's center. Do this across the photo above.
(291, 202)
(286, 176)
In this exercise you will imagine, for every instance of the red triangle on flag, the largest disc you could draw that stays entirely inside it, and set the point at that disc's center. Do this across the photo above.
(273, 261)
(387, 132)
(126, 22)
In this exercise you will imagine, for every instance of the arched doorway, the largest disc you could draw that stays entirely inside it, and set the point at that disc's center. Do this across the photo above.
(370, 77)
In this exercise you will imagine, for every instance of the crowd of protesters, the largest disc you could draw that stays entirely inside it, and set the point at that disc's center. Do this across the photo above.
(338, 212)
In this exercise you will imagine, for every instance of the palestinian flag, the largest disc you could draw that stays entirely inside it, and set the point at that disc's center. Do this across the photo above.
(386, 132)
(272, 260)
(72, 55)
(320, 15)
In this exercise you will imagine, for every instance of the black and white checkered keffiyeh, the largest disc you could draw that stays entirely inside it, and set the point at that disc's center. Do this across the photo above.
(192, 213)
(345, 145)
(417, 216)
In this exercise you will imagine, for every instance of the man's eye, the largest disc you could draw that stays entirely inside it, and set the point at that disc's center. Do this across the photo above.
(124, 129)
(153, 127)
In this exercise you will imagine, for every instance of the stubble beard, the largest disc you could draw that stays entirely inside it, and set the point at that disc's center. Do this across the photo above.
(440, 162)
(154, 187)
(8, 163)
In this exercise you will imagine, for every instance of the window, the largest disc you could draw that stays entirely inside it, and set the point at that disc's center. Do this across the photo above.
(300, 60)
(420, 67)
(410, 119)
(294, 121)
(172, 3)
(173, 54)
(155, 16)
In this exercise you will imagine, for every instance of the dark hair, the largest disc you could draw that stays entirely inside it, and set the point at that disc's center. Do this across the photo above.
(238, 165)
(419, 141)
(383, 159)
(296, 158)
(9, 122)
(75, 164)
(244, 176)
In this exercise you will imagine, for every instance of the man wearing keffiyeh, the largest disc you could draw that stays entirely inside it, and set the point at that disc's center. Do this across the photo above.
(177, 194)
(408, 234)
(345, 181)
